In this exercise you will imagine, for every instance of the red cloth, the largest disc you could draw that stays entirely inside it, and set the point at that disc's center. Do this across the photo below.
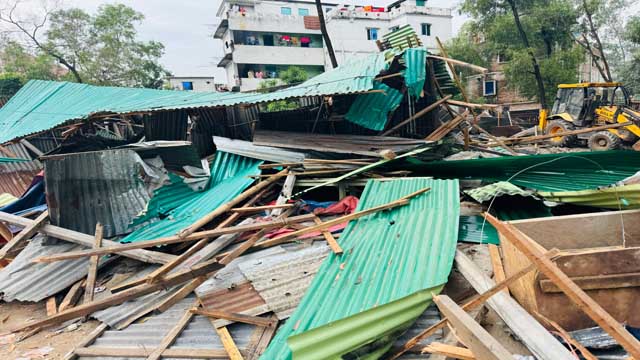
(305, 40)
(345, 206)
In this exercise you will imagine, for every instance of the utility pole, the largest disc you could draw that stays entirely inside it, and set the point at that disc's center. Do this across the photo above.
(325, 34)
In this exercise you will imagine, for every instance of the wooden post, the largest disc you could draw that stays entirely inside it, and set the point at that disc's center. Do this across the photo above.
(24, 235)
(228, 344)
(93, 267)
(496, 264)
(476, 338)
(532, 251)
(333, 244)
(285, 194)
(172, 335)
(235, 317)
(72, 296)
(52, 307)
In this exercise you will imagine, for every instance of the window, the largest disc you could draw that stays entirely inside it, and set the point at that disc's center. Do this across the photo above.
(187, 85)
(303, 12)
(489, 88)
(394, 28)
(420, 2)
(285, 10)
(372, 33)
(426, 29)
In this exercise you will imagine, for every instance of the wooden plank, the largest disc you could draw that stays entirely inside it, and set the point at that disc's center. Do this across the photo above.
(86, 341)
(451, 339)
(172, 335)
(573, 291)
(120, 248)
(596, 282)
(257, 350)
(472, 105)
(476, 338)
(24, 235)
(176, 297)
(31, 147)
(445, 128)
(86, 239)
(496, 264)
(333, 243)
(229, 344)
(417, 115)
(459, 63)
(93, 266)
(533, 335)
(142, 353)
(454, 73)
(72, 296)
(226, 207)
(262, 208)
(52, 307)
(129, 294)
(449, 351)
(484, 295)
(236, 317)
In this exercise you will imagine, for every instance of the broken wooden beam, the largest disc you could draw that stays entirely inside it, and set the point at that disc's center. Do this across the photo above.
(475, 337)
(171, 336)
(331, 241)
(460, 63)
(226, 207)
(417, 115)
(176, 239)
(93, 267)
(262, 208)
(73, 295)
(86, 239)
(129, 294)
(446, 127)
(532, 251)
(229, 345)
(24, 235)
(235, 317)
(449, 351)
(496, 264)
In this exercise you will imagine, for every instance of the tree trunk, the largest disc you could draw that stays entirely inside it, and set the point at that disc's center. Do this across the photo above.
(534, 62)
(325, 34)
(598, 44)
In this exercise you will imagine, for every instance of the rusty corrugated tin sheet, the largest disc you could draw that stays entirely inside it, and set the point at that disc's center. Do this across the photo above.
(102, 186)
(15, 177)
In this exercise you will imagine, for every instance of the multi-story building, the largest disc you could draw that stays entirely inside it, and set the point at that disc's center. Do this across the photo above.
(262, 38)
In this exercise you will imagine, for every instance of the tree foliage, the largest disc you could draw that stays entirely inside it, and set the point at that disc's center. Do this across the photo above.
(547, 25)
(101, 48)
(630, 70)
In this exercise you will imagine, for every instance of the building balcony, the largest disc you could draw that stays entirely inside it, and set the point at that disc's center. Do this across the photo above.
(278, 55)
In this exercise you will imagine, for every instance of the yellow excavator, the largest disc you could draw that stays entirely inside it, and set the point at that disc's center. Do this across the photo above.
(587, 105)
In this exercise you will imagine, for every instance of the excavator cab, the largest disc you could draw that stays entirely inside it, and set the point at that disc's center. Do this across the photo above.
(587, 105)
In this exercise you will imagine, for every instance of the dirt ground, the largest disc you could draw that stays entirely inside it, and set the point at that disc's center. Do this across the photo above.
(16, 313)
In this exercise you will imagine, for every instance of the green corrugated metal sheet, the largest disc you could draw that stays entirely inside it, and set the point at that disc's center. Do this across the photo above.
(43, 105)
(474, 229)
(416, 72)
(399, 39)
(549, 172)
(166, 199)
(444, 78)
(229, 177)
(618, 198)
(360, 301)
(372, 110)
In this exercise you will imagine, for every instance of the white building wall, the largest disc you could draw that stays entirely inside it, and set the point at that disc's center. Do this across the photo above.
(200, 84)
(278, 55)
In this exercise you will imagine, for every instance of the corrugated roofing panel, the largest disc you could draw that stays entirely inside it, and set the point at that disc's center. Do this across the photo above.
(251, 150)
(26, 281)
(199, 333)
(415, 74)
(229, 177)
(372, 110)
(43, 105)
(282, 279)
(102, 186)
(548, 172)
(392, 263)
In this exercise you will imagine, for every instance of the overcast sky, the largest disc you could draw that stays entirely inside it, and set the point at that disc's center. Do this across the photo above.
(185, 27)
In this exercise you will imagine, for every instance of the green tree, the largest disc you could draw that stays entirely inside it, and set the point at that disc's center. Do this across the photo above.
(15, 59)
(535, 35)
(100, 49)
(293, 75)
(630, 70)
(10, 83)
